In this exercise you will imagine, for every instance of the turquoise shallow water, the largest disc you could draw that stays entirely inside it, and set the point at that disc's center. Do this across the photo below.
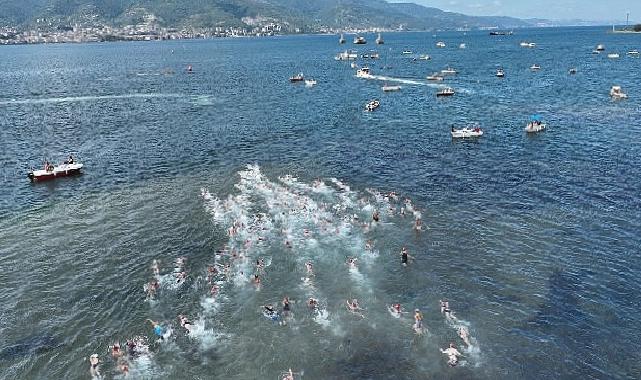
(533, 239)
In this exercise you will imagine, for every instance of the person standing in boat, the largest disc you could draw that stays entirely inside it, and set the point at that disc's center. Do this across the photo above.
(70, 160)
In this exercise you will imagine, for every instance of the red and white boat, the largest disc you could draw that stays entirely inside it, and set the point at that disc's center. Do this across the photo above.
(54, 171)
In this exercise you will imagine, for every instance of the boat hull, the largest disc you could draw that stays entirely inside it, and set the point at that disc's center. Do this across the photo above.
(58, 172)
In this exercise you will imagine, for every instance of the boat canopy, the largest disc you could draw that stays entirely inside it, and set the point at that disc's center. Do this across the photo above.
(536, 118)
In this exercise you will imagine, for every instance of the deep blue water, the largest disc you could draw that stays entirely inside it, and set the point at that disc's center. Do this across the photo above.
(533, 239)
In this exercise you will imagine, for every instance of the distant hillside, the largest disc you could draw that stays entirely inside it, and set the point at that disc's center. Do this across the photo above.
(308, 15)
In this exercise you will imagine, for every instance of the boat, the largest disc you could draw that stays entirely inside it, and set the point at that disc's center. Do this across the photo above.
(572, 71)
(440, 44)
(190, 69)
(370, 55)
(596, 51)
(435, 77)
(535, 67)
(447, 91)
(51, 171)
(524, 44)
(600, 47)
(297, 78)
(449, 71)
(613, 55)
(354, 65)
(387, 88)
(531, 45)
(406, 52)
(347, 55)
(535, 125)
(616, 93)
(363, 72)
(424, 57)
(462, 46)
(501, 33)
(500, 73)
(310, 82)
(359, 40)
(379, 40)
(466, 132)
(341, 40)
(634, 52)
(371, 106)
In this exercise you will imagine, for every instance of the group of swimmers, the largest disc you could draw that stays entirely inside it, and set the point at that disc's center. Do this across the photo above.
(134, 348)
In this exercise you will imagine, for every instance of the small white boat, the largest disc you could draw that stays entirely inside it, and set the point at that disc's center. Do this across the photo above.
(379, 40)
(347, 55)
(363, 72)
(406, 52)
(613, 55)
(51, 171)
(634, 52)
(371, 106)
(466, 132)
(462, 46)
(572, 71)
(535, 125)
(387, 88)
(600, 47)
(527, 44)
(500, 73)
(449, 71)
(535, 67)
(531, 45)
(310, 82)
(616, 93)
(524, 44)
(424, 57)
(440, 44)
(435, 77)
(297, 78)
(447, 91)
(359, 40)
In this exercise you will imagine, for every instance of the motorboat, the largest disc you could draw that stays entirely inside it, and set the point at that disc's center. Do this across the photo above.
(500, 73)
(600, 47)
(371, 106)
(406, 52)
(370, 55)
(190, 69)
(535, 67)
(347, 55)
(359, 40)
(310, 82)
(531, 45)
(51, 171)
(462, 46)
(613, 55)
(424, 57)
(297, 78)
(524, 44)
(379, 40)
(447, 91)
(387, 88)
(466, 132)
(341, 40)
(435, 77)
(535, 124)
(449, 71)
(440, 44)
(616, 93)
(634, 52)
(572, 71)
(363, 72)
(596, 51)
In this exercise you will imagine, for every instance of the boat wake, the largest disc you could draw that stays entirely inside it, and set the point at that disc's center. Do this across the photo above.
(79, 99)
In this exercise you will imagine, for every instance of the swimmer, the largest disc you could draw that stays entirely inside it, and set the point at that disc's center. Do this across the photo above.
(181, 277)
(312, 303)
(260, 264)
(445, 309)
(354, 307)
(286, 306)
(214, 290)
(269, 308)
(397, 308)
(158, 330)
(405, 256)
(93, 368)
(155, 267)
(452, 354)
(310, 267)
(376, 216)
(151, 290)
(369, 245)
(351, 262)
(124, 368)
(116, 352)
(289, 375)
(464, 333)
(418, 320)
(181, 261)
(288, 244)
(418, 224)
(131, 347)
(402, 212)
(184, 322)
(256, 280)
